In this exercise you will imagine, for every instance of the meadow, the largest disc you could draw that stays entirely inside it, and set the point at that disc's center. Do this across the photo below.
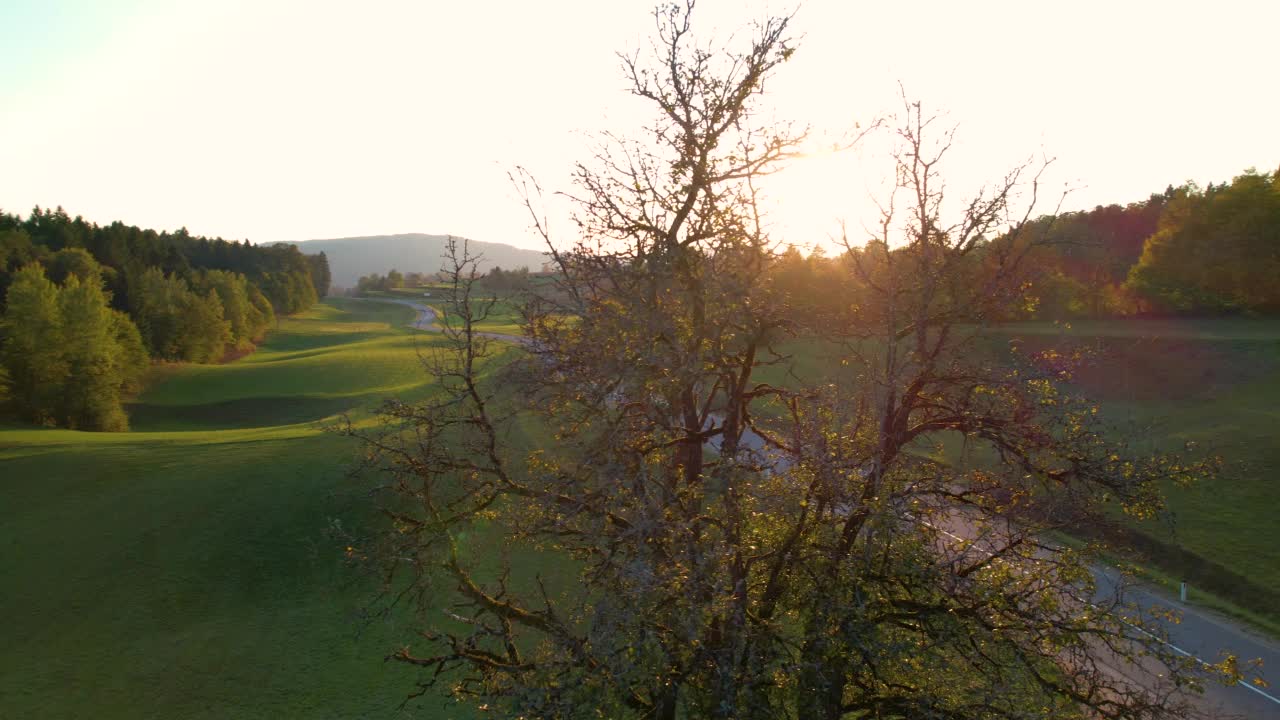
(1216, 385)
(1160, 384)
(187, 568)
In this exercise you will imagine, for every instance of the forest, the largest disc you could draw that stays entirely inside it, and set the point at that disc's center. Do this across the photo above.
(87, 308)
(1185, 251)
(495, 280)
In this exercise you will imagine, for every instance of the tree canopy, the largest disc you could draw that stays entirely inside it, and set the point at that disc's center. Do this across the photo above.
(741, 548)
(69, 356)
(1216, 249)
(1186, 250)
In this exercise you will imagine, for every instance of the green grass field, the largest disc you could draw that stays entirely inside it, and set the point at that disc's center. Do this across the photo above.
(1162, 383)
(185, 570)
(503, 317)
(1220, 390)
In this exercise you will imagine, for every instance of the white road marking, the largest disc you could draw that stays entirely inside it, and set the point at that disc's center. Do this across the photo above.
(1158, 639)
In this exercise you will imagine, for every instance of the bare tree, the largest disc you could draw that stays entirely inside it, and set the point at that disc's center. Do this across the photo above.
(739, 549)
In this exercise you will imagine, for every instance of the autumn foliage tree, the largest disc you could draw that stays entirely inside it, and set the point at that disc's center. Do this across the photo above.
(743, 549)
(1216, 249)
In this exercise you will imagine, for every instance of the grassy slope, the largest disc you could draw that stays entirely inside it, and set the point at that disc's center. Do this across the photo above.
(183, 569)
(1215, 382)
(504, 317)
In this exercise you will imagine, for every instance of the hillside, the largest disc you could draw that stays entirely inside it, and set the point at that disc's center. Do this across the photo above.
(190, 568)
(1162, 383)
(204, 537)
(349, 258)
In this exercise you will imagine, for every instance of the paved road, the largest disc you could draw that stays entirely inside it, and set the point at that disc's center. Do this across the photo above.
(1197, 633)
(1200, 633)
(1205, 635)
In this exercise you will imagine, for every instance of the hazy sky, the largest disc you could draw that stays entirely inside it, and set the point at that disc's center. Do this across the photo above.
(287, 120)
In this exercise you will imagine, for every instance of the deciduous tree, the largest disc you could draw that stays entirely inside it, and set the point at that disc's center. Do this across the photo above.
(1216, 250)
(33, 344)
(68, 356)
(90, 393)
(740, 548)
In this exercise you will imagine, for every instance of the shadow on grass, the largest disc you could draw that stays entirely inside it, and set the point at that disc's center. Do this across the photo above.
(293, 342)
(234, 414)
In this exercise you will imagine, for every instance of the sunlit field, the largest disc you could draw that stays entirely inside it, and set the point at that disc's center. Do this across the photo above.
(186, 569)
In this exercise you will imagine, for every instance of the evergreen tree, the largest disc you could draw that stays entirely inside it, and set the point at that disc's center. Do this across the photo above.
(320, 275)
(16, 251)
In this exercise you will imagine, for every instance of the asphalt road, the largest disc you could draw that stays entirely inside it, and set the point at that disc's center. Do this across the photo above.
(1205, 635)
(1199, 633)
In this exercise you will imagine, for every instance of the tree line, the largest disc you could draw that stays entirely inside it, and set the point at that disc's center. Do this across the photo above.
(87, 307)
(394, 279)
(1187, 250)
(496, 280)
(1215, 250)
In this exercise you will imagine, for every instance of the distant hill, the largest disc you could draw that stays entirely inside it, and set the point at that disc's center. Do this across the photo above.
(350, 258)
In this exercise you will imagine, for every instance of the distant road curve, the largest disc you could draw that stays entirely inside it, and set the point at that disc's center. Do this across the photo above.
(426, 320)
